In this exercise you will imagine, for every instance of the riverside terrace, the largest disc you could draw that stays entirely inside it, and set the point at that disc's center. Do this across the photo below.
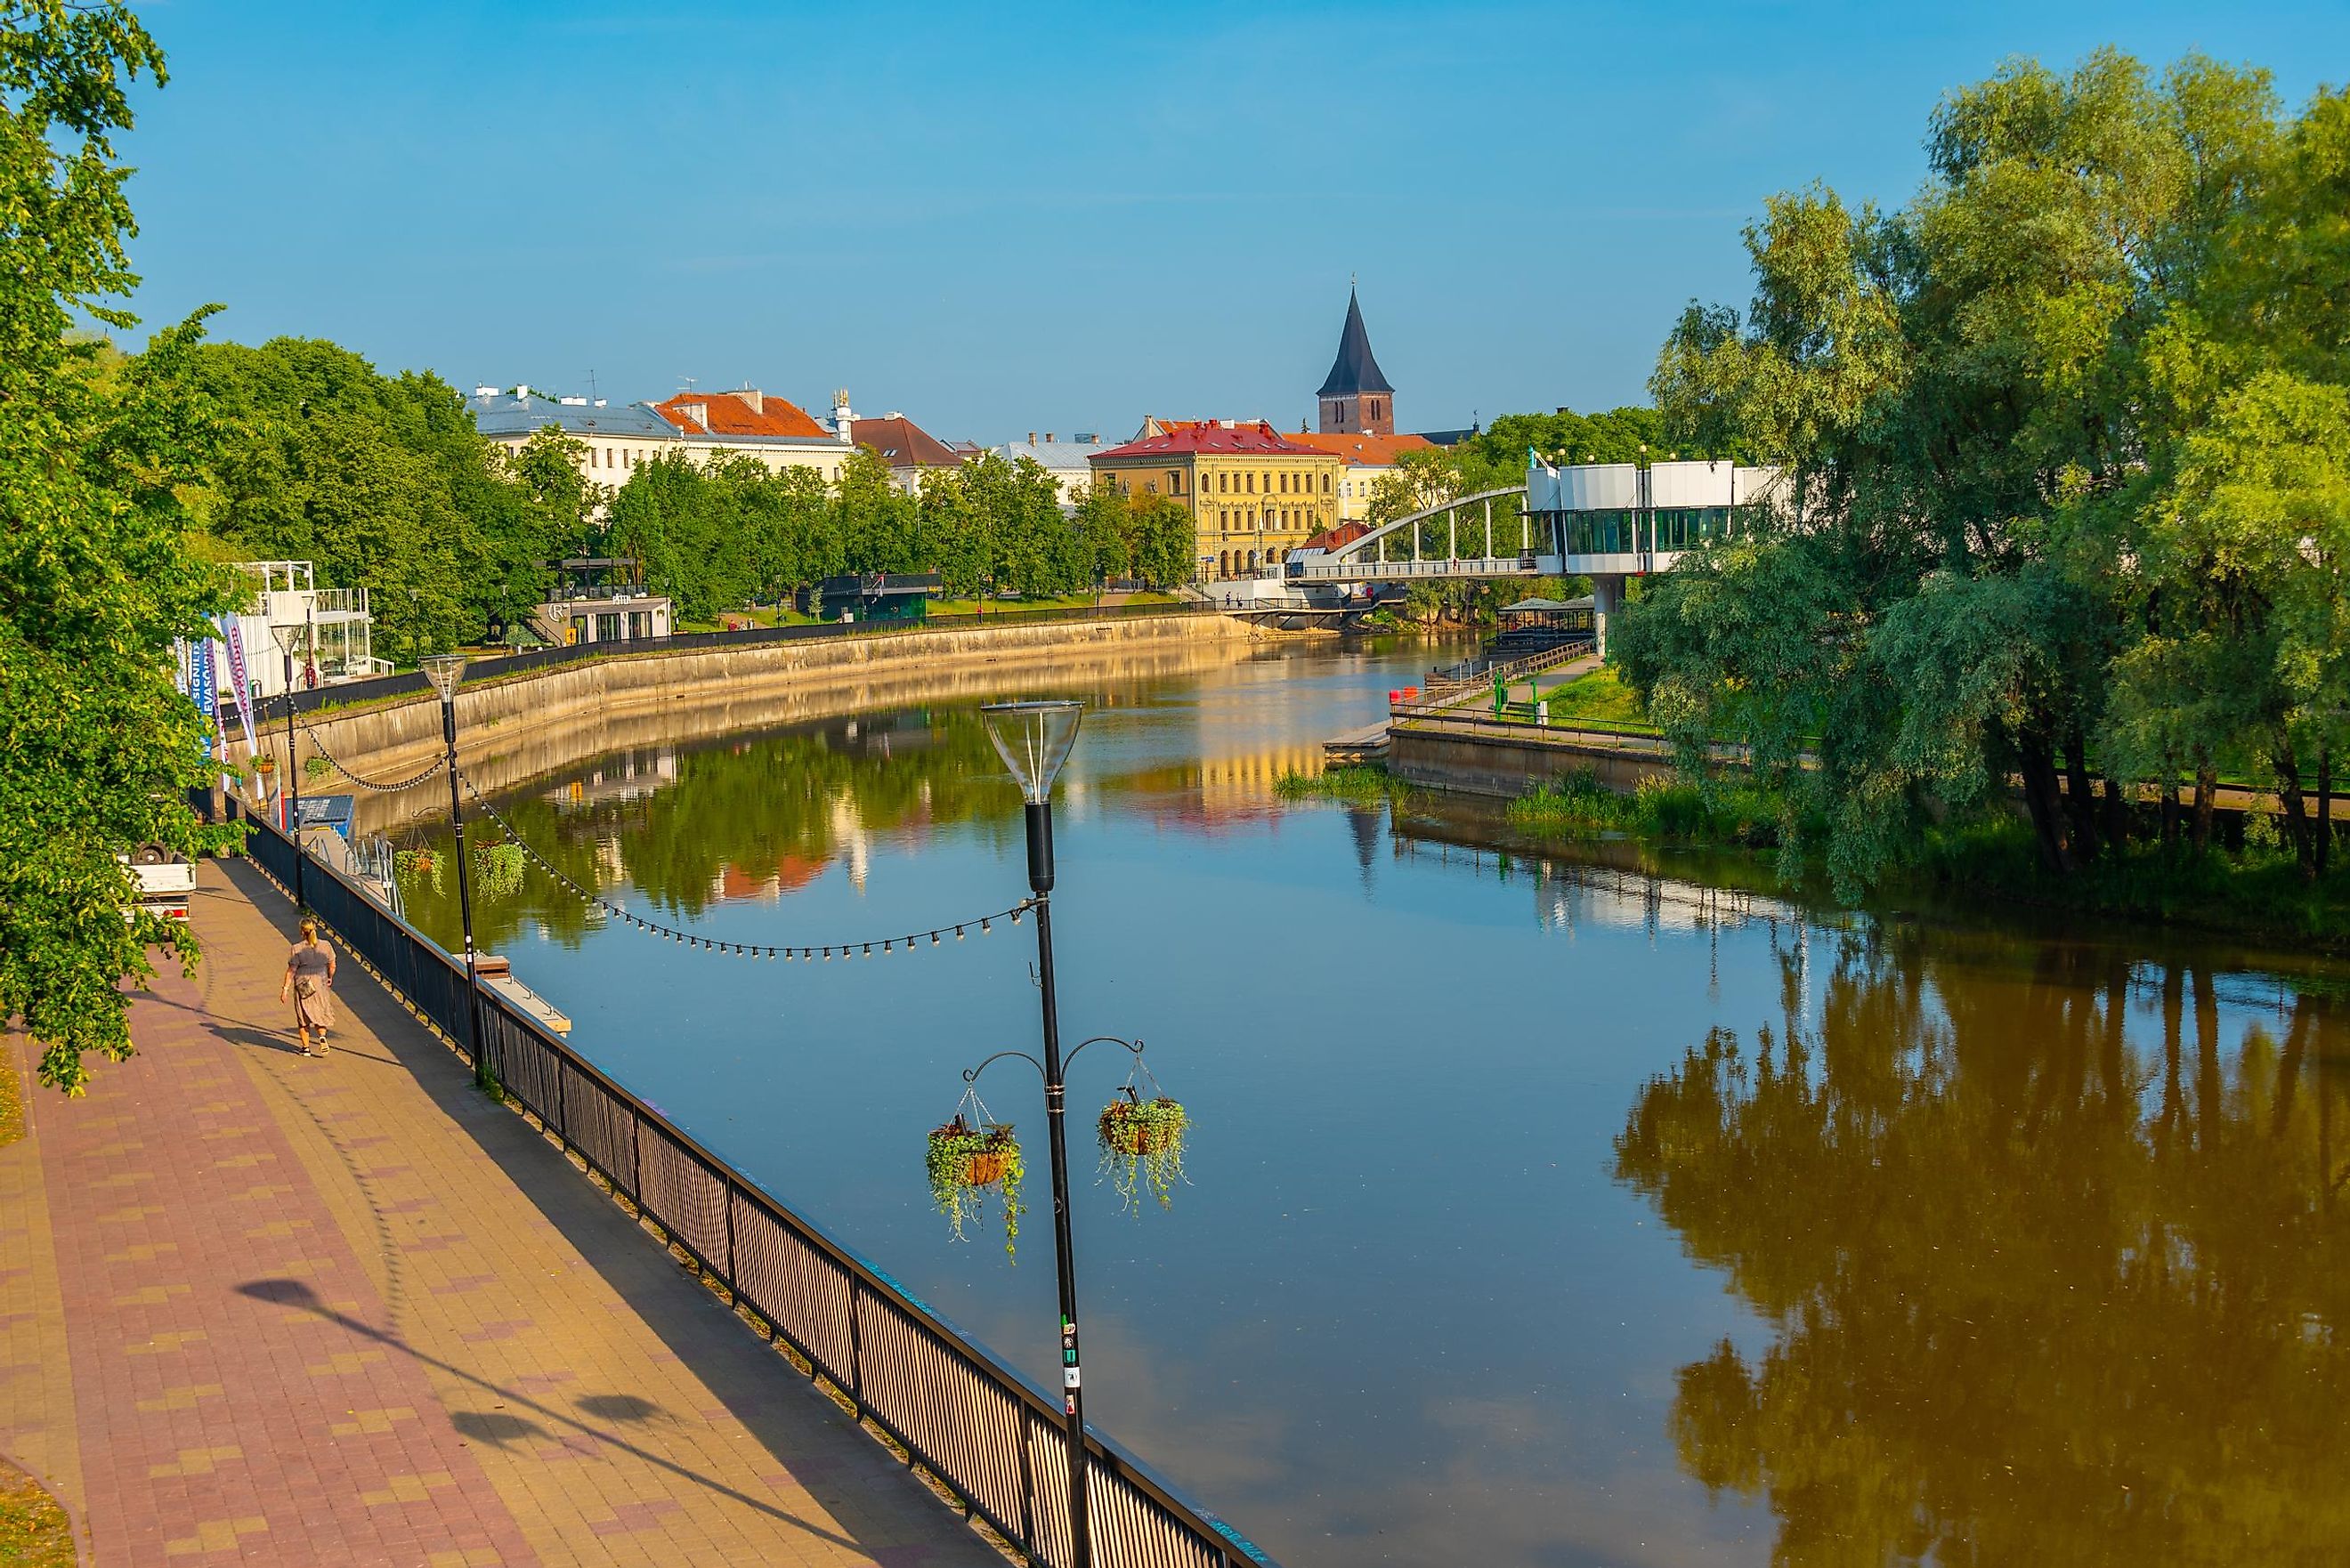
(359, 1313)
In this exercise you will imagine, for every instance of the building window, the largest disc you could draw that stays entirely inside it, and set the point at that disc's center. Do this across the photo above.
(1325, 484)
(1174, 482)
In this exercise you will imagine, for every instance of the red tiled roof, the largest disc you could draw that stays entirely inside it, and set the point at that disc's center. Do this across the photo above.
(731, 414)
(1336, 538)
(902, 444)
(1370, 451)
(1178, 437)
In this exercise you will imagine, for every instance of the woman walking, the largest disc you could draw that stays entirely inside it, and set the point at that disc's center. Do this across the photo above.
(309, 971)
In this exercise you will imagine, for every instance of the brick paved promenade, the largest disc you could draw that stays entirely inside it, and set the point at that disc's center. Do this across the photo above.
(263, 1310)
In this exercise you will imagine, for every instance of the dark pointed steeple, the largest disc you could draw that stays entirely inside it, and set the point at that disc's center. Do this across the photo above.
(1355, 371)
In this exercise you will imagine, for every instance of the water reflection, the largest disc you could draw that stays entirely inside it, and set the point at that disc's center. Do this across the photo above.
(1599, 1208)
(2051, 1262)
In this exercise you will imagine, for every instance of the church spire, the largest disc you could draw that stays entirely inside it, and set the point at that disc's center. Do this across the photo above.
(1355, 396)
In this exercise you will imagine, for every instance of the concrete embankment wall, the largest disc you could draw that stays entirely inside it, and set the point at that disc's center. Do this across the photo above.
(1499, 765)
(516, 727)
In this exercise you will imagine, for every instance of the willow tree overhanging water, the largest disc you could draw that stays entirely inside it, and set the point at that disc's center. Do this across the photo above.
(2054, 1273)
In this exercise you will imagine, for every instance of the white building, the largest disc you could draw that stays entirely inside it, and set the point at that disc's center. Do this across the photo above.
(1066, 461)
(614, 442)
(333, 633)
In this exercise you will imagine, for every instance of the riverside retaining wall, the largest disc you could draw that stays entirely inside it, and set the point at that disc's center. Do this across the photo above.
(515, 726)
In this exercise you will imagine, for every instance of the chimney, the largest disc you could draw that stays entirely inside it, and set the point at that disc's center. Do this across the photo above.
(1048, 438)
(751, 395)
(844, 421)
(1032, 441)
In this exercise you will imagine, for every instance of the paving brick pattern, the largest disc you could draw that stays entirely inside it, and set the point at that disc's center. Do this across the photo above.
(261, 1309)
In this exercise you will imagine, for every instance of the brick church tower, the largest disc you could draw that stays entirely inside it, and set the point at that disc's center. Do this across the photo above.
(1356, 398)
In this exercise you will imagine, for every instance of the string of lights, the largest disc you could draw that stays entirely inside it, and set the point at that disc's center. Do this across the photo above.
(337, 764)
(812, 951)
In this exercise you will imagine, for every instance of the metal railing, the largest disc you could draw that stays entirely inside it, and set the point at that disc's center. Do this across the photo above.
(1446, 686)
(988, 1436)
(494, 667)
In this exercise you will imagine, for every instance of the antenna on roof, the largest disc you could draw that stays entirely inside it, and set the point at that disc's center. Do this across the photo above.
(688, 383)
(591, 383)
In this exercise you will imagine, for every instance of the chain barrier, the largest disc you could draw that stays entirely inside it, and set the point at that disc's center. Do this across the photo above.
(826, 952)
(365, 784)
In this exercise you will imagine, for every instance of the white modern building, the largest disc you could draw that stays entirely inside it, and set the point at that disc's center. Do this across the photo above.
(332, 632)
(1611, 521)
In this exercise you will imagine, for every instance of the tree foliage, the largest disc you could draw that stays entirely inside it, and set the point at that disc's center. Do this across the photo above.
(732, 532)
(2066, 448)
(96, 574)
(384, 483)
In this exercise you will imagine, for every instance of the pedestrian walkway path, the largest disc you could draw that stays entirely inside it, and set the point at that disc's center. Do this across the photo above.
(260, 1309)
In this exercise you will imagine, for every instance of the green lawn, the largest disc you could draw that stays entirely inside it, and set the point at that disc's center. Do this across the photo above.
(1597, 698)
(34, 1531)
(12, 1110)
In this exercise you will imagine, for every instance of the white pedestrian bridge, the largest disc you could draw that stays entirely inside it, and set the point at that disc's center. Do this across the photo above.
(1607, 520)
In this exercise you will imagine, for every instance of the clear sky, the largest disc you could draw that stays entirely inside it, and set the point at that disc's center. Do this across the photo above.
(1000, 219)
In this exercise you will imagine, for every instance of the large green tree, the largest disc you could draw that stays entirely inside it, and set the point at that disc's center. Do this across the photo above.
(97, 573)
(382, 483)
(1983, 404)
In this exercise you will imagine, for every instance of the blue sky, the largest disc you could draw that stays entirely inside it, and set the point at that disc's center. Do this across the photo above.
(1001, 220)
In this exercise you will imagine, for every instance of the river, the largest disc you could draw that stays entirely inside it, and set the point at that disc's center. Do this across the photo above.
(1566, 1207)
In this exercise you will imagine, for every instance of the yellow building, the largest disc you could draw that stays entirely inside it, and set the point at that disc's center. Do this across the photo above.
(1253, 494)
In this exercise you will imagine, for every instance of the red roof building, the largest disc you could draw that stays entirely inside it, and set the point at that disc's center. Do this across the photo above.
(746, 412)
(1253, 494)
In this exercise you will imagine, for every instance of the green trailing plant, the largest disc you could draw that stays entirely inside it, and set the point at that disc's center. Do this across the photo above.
(414, 864)
(316, 767)
(497, 869)
(1142, 1145)
(965, 1162)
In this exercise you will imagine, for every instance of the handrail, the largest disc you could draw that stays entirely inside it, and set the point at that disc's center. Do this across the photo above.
(986, 1432)
(1440, 692)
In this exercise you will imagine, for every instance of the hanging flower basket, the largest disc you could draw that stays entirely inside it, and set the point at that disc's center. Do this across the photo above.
(1142, 1145)
(966, 1163)
(498, 868)
(419, 863)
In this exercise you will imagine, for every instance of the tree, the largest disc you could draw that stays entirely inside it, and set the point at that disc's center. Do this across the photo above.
(382, 481)
(97, 573)
(1967, 396)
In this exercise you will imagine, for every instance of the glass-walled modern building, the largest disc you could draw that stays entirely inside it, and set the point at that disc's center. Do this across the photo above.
(1610, 521)
(1624, 519)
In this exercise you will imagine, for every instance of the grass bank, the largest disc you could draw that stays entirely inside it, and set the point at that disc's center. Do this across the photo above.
(34, 1531)
(1727, 815)
(1353, 783)
(2255, 892)
(12, 1111)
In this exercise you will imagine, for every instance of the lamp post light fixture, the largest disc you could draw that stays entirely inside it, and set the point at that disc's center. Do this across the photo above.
(1033, 738)
(444, 671)
(288, 639)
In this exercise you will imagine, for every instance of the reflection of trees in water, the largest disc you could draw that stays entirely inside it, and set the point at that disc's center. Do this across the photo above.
(2040, 1293)
(754, 806)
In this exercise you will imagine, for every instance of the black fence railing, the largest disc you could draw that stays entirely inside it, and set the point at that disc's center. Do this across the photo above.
(495, 668)
(993, 1439)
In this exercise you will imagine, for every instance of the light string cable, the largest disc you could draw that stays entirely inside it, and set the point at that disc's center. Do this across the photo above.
(879, 946)
(340, 766)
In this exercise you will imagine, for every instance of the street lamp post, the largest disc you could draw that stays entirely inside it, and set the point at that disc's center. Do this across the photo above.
(288, 638)
(1033, 738)
(444, 671)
